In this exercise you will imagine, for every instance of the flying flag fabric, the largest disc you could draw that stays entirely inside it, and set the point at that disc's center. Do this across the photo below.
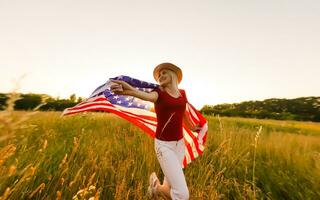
(142, 114)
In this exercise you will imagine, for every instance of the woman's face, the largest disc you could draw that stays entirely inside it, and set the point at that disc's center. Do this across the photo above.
(164, 77)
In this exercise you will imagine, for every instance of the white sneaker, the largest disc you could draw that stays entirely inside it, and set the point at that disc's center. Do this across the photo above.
(152, 186)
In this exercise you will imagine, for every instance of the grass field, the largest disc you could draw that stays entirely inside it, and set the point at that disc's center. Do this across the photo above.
(99, 155)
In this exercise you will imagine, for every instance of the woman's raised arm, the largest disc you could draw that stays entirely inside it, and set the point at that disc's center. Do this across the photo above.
(124, 88)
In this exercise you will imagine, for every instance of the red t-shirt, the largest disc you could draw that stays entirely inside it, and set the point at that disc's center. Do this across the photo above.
(169, 111)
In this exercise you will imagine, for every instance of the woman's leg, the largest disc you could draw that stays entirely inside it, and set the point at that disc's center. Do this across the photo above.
(168, 154)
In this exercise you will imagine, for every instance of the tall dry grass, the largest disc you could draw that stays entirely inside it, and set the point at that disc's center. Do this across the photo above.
(100, 156)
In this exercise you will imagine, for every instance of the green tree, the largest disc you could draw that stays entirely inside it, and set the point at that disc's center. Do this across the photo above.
(73, 98)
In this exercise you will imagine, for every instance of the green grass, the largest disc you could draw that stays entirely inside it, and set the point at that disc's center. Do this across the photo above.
(44, 156)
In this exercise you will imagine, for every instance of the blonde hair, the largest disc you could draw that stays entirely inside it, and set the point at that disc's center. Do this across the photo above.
(174, 80)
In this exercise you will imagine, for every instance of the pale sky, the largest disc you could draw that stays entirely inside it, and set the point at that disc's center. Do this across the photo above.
(229, 51)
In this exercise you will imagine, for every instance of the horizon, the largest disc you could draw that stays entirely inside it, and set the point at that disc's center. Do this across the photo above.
(252, 100)
(229, 52)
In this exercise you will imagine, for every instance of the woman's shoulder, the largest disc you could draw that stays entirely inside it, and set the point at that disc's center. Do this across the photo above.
(183, 93)
(158, 90)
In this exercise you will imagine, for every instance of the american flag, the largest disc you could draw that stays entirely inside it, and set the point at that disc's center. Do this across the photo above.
(142, 114)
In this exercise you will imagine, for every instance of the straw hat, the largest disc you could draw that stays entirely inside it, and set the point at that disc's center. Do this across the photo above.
(170, 66)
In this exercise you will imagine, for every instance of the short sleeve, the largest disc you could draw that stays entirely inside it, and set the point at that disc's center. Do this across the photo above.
(158, 91)
(183, 92)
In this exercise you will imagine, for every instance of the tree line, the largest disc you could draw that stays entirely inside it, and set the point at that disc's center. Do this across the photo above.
(301, 109)
(31, 101)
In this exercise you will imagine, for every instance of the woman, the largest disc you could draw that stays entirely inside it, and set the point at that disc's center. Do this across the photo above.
(170, 105)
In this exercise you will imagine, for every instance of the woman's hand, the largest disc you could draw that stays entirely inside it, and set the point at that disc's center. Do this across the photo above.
(121, 88)
(195, 128)
(186, 120)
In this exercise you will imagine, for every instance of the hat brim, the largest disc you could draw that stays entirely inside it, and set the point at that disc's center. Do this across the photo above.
(169, 66)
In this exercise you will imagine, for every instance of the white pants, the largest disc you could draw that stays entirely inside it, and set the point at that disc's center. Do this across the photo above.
(170, 155)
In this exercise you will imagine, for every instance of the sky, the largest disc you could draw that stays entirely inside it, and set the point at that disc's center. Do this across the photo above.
(229, 51)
